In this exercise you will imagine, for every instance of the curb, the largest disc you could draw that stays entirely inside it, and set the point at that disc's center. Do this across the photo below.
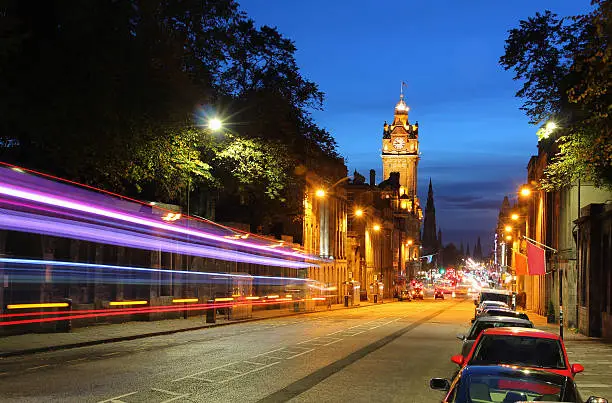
(160, 333)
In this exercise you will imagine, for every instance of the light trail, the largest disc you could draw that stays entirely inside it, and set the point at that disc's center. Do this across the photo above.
(49, 200)
(20, 221)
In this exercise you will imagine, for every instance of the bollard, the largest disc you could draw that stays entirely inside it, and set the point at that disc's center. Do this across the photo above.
(211, 313)
(376, 298)
(346, 301)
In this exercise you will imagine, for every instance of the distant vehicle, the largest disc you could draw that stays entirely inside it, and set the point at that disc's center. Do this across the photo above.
(504, 312)
(417, 293)
(502, 384)
(487, 322)
(404, 295)
(491, 294)
(438, 294)
(529, 348)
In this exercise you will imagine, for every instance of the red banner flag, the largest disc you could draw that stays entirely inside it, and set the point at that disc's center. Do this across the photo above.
(536, 259)
(520, 263)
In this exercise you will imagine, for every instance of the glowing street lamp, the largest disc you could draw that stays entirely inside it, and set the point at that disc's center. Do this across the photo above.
(320, 193)
(409, 243)
(215, 124)
(508, 228)
(525, 192)
(358, 212)
(376, 227)
(514, 217)
(508, 237)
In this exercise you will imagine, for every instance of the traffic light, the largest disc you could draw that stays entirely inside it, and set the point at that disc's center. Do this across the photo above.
(442, 270)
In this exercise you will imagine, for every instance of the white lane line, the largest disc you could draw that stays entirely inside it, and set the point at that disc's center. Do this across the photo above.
(38, 367)
(259, 355)
(297, 355)
(593, 385)
(168, 392)
(203, 372)
(117, 398)
(355, 334)
(109, 354)
(76, 360)
(230, 370)
(332, 342)
(254, 363)
(249, 372)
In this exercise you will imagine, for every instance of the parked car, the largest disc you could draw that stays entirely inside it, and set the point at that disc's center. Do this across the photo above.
(529, 348)
(404, 295)
(503, 384)
(489, 304)
(504, 312)
(487, 322)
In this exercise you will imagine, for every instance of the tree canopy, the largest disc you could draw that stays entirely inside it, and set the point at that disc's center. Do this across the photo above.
(117, 95)
(565, 67)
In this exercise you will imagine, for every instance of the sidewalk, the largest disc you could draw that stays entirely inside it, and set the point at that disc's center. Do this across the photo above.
(108, 333)
(594, 353)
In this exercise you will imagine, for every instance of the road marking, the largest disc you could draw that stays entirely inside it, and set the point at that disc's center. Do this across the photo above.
(297, 355)
(249, 372)
(38, 367)
(176, 395)
(203, 372)
(593, 385)
(259, 355)
(109, 354)
(116, 399)
(254, 363)
(230, 370)
(77, 360)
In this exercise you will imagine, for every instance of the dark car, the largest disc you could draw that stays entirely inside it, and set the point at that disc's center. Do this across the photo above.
(503, 312)
(438, 294)
(496, 383)
(417, 293)
(487, 322)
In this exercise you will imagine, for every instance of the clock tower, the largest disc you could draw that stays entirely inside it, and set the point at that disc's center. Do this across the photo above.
(400, 149)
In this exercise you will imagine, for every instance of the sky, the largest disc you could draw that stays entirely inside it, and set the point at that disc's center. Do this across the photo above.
(475, 142)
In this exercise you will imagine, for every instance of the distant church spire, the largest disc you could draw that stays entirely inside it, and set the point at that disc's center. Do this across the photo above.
(478, 250)
(430, 241)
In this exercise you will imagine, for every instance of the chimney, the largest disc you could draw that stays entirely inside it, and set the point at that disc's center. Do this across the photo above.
(372, 177)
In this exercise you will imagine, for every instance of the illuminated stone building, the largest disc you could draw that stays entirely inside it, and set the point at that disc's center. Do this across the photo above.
(400, 149)
(325, 235)
(400, 158)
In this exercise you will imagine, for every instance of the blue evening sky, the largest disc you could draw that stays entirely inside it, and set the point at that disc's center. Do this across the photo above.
(475, 142)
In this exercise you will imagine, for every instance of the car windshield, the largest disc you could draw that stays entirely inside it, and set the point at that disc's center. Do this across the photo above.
(519, 350)
(500, 312)
(479, 326)
(493, 388)
(493, 304)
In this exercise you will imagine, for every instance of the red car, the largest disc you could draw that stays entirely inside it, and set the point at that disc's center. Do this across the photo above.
(523, 347)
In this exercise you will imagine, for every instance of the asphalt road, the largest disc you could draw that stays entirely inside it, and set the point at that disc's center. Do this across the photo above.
(386, 352)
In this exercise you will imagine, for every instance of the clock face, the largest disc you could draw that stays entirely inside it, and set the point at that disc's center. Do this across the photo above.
(399, 143)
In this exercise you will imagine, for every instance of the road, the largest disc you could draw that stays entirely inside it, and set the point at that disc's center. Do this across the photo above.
(386, 352)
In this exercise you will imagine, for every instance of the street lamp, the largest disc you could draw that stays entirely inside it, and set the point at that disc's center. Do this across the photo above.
(508, 237)
(215, 124)
(376, 227)
(525, 191)
(508, 228)
(320, 193)
(514, 217)
(358, 212)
